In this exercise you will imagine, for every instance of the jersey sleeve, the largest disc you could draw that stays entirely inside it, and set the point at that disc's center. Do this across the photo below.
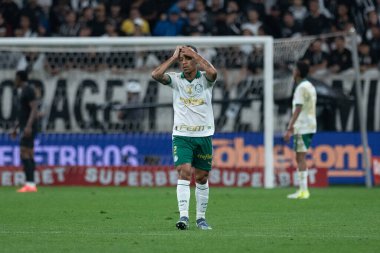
(298, 96)
(173, 80)
(209, 83)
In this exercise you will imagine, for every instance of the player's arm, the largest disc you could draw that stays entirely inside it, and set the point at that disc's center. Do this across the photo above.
(32, 117)
(159, 73)
(290, 129)
(13, 132)
(210, 70)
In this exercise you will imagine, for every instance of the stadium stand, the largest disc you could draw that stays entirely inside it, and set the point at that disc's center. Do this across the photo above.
(282, 19)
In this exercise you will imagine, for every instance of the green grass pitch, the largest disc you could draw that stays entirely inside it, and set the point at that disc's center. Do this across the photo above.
(75, 219)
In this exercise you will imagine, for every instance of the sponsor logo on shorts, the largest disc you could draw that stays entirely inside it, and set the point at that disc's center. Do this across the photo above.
(204, 157)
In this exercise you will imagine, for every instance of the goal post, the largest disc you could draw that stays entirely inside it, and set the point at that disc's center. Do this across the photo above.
(68, 45)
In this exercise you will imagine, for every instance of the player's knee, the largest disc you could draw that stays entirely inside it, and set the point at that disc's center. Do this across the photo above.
(201, 178)
(184, 172)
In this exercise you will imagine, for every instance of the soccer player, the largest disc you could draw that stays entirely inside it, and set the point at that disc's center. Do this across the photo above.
(192, 129)
(27, 123)
(302, 125)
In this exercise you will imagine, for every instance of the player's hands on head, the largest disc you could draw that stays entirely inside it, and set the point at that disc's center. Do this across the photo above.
(176, 52)
(188, 51)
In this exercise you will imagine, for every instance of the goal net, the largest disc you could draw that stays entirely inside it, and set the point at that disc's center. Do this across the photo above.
(103, 85)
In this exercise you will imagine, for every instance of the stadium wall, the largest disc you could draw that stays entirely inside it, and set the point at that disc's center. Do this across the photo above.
(338, 154)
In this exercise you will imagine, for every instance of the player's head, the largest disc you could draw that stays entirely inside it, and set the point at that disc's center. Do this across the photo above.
(302, 70)
(192, 47)
(187, 63)
(21, 77)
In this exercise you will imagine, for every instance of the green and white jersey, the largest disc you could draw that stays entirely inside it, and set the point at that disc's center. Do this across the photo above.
(193, 114)
(306, 96)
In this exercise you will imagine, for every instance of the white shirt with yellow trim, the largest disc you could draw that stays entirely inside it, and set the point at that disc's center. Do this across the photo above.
(306, 96)
(193, 114)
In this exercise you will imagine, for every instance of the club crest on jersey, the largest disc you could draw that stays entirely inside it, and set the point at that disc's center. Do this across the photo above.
(198, 88)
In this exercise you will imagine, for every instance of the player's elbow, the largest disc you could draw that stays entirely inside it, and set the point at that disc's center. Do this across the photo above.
(155, 75)
(213, 74)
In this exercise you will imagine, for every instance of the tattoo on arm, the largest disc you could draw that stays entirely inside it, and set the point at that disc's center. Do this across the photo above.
(159, 73)
(211, 72)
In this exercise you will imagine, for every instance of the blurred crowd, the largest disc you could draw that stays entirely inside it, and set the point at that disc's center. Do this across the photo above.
(278, 18)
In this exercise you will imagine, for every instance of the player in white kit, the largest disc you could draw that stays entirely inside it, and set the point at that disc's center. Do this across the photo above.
(302, 125)
(192, 129)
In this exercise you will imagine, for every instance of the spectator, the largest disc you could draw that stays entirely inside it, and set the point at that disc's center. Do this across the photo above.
(372, 21)
(139, 28)
(171, 25)
(25, 29)
(215, 5)
(36, 14)
(183, 6)
(231, 26)
(375, 41)
(129, 25)
(111, 29)
(316, 23)
(282, 4)
(45, 5)
(132, 118)
(255, 60)
(79, 5)
(71, 27)
(194, 24)
(257, 5)
(56, 19)
(273, 22)
(342, 18)
(289, 28)
(99, 25)
(85, 31)
(11, 13)
(5, 29)
(340, 58)
(115, 14)
(232, 6)
(246, 49)
(87, 17)
(298, 11)
(367, 59)
(204, 16)
(215, 10)
(316, 58)
(149, 10)
(253, 22)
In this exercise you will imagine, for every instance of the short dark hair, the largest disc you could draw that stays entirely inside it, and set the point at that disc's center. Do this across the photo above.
(23, 75)
(303, 68)
(194, 48)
